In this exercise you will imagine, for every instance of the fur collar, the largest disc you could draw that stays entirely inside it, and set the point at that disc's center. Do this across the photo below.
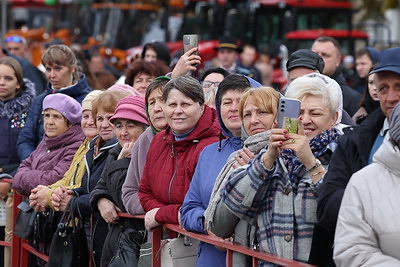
(20, 103)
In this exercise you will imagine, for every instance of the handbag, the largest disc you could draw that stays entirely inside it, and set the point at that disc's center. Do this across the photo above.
(145, 255)
(179, 252)
(24, 223)
(69, 246)
(128, 250)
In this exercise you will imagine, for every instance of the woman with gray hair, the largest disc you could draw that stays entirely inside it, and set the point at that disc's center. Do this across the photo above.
(173, 153)
(367, 230)
(277, 191)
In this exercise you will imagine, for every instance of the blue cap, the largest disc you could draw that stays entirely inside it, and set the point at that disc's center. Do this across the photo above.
(390, 61)
(375, 55)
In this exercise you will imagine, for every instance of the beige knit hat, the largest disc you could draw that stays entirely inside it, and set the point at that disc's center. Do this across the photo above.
(87, 101)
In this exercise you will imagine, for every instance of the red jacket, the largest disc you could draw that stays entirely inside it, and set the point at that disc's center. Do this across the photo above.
(170, 166)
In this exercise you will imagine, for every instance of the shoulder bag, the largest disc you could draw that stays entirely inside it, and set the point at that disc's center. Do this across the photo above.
(69, 245)
(25, 221)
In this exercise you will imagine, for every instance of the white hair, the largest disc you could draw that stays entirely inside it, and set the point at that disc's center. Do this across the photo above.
(319, 85)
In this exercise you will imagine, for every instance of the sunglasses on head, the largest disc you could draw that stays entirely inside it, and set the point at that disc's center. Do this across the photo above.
(15, 39)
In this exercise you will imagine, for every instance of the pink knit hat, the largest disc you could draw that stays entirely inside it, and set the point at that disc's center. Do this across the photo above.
(131, 108)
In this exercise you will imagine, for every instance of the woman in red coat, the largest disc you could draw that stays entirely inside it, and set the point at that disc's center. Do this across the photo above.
(174, 152)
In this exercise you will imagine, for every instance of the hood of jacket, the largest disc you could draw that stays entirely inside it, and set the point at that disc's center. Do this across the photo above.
(207, 126)
(20, 103)
(388, 155)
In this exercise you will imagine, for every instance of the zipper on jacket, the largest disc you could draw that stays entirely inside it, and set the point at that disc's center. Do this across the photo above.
(76, 172)
(173, 153)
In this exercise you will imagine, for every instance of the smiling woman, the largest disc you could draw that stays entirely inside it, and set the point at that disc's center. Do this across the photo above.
(173, 154)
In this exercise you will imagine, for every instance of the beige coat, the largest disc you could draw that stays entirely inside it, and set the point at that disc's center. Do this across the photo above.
(368, 227)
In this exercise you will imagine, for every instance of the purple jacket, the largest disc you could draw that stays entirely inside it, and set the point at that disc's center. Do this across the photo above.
(130, 188)
(49, 161)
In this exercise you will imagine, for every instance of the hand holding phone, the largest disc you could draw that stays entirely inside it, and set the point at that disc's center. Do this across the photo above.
(288, 114)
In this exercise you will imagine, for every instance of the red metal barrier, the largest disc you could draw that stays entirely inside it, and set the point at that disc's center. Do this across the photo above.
(21, 248)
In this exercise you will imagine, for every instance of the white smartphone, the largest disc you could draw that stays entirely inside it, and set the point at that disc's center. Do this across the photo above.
(190, 41)
(288, 114)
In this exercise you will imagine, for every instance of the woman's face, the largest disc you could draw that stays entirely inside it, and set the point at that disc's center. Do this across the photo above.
(256, 119)
(155, 107)
(182, 112)
(8, 83)
(373, 92)
(104, 126)
(316, 117)
(55, 123)
(230, 111)
(141, 81)
(150, 55)
(87, 124)
(127, 131)
(59, 76)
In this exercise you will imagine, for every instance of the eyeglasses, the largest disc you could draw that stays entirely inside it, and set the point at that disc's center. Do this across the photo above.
(209, 84)
(15, 39)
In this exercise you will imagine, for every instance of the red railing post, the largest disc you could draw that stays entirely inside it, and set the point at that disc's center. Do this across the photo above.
(156, 247)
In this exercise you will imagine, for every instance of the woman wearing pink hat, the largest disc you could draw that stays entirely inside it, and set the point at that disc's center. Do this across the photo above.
(130, 121)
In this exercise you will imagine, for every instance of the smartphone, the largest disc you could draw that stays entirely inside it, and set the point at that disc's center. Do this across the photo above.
(190, 41)
(288, 114)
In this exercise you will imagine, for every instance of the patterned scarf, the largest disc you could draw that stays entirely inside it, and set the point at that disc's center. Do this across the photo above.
(319, 144)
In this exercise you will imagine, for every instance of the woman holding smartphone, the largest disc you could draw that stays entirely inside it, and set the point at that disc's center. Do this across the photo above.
(277, 191)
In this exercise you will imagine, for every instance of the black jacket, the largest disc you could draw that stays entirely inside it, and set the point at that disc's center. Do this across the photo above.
(351, 98)
(351, 155)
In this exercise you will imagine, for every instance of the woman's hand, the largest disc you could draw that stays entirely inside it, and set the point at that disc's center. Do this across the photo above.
(149, 220)
(4, 190)
(245, 155)
(126, 150)
(60, 198)
(300, 146)
(360, 113)
(276, 141)
(187, 62)
(108, 210)
(38, 198)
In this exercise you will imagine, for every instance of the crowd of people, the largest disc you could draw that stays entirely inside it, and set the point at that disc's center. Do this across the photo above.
(206, 152)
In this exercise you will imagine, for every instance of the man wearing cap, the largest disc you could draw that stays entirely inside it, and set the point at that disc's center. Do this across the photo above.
(228, 53)
(329, 49)
(30, 72)
(302, 62)
(355, 150)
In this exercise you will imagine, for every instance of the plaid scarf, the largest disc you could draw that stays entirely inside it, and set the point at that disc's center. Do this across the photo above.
(319, 144)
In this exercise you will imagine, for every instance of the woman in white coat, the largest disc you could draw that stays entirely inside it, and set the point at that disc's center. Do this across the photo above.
(368, 227)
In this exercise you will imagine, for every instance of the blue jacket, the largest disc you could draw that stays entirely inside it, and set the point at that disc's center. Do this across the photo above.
(211, 160)
(33, 131)
(13, 114)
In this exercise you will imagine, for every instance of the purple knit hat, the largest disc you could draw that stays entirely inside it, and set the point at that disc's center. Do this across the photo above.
(131, 108)
(66, 105)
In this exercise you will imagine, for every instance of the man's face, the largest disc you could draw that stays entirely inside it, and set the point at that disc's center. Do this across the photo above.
(16, 48)
(298, 72)
(329, 54)
(363, 65)
(388, 86)
(227, 57)
(248, 56)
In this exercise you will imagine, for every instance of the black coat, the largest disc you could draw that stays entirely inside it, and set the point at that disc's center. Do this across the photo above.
(351, 155)
(94, 167)
(351, 98)
(110, 186)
